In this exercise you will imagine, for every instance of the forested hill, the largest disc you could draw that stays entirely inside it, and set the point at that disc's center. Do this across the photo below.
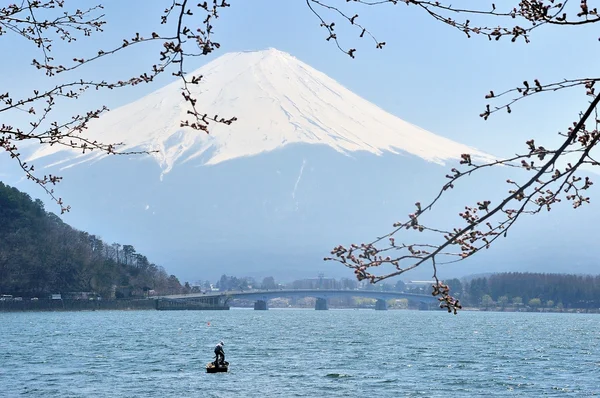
(531, 289)
(40, 254)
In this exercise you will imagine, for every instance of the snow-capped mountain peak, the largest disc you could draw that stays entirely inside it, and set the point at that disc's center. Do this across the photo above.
(278, 100)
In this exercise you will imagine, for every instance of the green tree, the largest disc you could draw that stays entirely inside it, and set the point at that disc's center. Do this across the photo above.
(400, 286)
(174, 286)
(535, 303)
(386, 287)
(455, 286)
(503, 301)
(478, 287)
(517, 301)
(348, 284)
(128, 254)
(487, 301)
(243, 284)
(268, 283)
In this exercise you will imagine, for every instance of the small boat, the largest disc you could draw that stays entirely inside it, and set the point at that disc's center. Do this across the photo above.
(211, 368)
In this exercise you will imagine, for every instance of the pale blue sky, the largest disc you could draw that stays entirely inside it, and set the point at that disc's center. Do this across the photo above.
(428, 73)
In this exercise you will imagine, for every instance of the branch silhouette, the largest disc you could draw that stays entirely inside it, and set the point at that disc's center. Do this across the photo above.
(28, 21)
(547, 185)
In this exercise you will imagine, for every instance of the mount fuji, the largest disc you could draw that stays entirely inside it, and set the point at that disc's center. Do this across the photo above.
(278, 100)
(307, 165)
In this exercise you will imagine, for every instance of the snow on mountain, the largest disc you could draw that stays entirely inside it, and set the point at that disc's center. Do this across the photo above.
(278, 101)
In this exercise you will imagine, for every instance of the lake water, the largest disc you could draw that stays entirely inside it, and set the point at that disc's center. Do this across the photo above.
(299, 353)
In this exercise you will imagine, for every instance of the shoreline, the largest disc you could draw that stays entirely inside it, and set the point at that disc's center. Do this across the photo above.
(73, 305)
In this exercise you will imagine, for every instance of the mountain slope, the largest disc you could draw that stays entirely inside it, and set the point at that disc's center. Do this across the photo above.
(278, 101)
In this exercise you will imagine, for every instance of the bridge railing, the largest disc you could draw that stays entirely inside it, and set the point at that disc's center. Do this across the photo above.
(264, 294)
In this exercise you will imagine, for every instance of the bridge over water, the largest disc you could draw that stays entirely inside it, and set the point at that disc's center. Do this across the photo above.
(261, 297)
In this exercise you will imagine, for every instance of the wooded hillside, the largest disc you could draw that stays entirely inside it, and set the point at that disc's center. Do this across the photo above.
(533, 290)
(40, 255)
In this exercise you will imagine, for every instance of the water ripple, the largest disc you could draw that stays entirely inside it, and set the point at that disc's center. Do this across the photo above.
(299, 353)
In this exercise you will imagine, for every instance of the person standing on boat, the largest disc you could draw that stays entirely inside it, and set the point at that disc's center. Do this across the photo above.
(219, 353)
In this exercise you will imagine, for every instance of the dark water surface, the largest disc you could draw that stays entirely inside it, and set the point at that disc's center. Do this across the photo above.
(299, 353)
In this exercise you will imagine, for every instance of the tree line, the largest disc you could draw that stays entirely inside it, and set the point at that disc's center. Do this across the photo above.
(41, 255)
(230, 282)
(509, 290)
(534, 290)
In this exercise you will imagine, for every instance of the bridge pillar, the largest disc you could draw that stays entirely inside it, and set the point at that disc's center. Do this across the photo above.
(321, 304)
(261, 305)
(381, 305)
